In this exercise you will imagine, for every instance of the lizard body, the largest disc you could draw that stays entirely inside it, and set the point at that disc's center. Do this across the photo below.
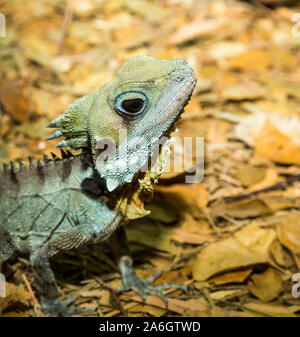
(59, 204)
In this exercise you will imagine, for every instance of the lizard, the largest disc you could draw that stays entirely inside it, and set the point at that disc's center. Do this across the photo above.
(58, 204)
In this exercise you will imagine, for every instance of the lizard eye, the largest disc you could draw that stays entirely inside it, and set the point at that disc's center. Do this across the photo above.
(130, 104)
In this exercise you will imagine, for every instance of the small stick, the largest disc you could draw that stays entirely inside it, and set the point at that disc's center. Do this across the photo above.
(65, 25)
(113, 295)
(278, 186)
(31, 294)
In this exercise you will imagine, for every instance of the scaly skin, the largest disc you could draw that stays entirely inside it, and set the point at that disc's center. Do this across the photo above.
(56, 205)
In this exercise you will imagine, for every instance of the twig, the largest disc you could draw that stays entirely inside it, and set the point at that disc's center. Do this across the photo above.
(114, 296)
(31, 294)
(65, 25)
(278, 186)
(176, 258)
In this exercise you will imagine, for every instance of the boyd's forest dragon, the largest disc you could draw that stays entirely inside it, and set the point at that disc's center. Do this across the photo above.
(58, 204)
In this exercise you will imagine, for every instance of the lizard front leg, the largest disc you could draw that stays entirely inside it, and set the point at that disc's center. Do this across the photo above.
(43, 275)
(130, 280)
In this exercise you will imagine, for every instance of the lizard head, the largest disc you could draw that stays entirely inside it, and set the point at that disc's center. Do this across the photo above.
(124, 121)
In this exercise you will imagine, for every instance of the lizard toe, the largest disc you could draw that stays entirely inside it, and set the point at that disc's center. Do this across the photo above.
(143, 288)
(58, 308)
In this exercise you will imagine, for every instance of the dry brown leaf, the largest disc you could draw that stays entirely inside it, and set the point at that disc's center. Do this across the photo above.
(237, 276)
(88, 305)
(270, 178)
(105, 297)
(173, 304)
(277, 201)
(222, 256)
(223, 295)
(92, 293)
(192, 304)
(251, 126)
(195, 30)
(266, 286)
(183, 236)
(289, 233)
(226, 49)
(253, 60)
(220, 312)
(269, 309)
(15, 294)
(197, 226)
(15, 96)
(270, 143)
(245, 91)
(149, 309)
(280, 255)
(297, 260)
(240, 209)
(15, 314)
(255, 238)
(249, 175)
(183, 198)
(150, 11)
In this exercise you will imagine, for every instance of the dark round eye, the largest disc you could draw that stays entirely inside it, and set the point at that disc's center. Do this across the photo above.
(132, 105)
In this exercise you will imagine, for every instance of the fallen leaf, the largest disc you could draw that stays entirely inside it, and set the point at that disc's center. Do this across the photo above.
(222, 256)
(271, 144)
(225, 49)
(14, 294)
(223, 295)
(266, 286)
(252, 60)
(15, 96)
(92, 293)
(150, 11)
(249, 127)
(241, 209)
(237, 276)
(249, 175)
(281, 256)
(269, 309)
(191, 238)
(195, 30)
(255, 238)
(245, 91)
(289, 233)
(149, 309)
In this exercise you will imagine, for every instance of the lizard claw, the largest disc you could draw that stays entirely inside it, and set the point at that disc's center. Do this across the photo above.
(143, 288)
(58, 308)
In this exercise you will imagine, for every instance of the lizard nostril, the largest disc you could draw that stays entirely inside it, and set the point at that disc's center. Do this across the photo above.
(178, 78)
